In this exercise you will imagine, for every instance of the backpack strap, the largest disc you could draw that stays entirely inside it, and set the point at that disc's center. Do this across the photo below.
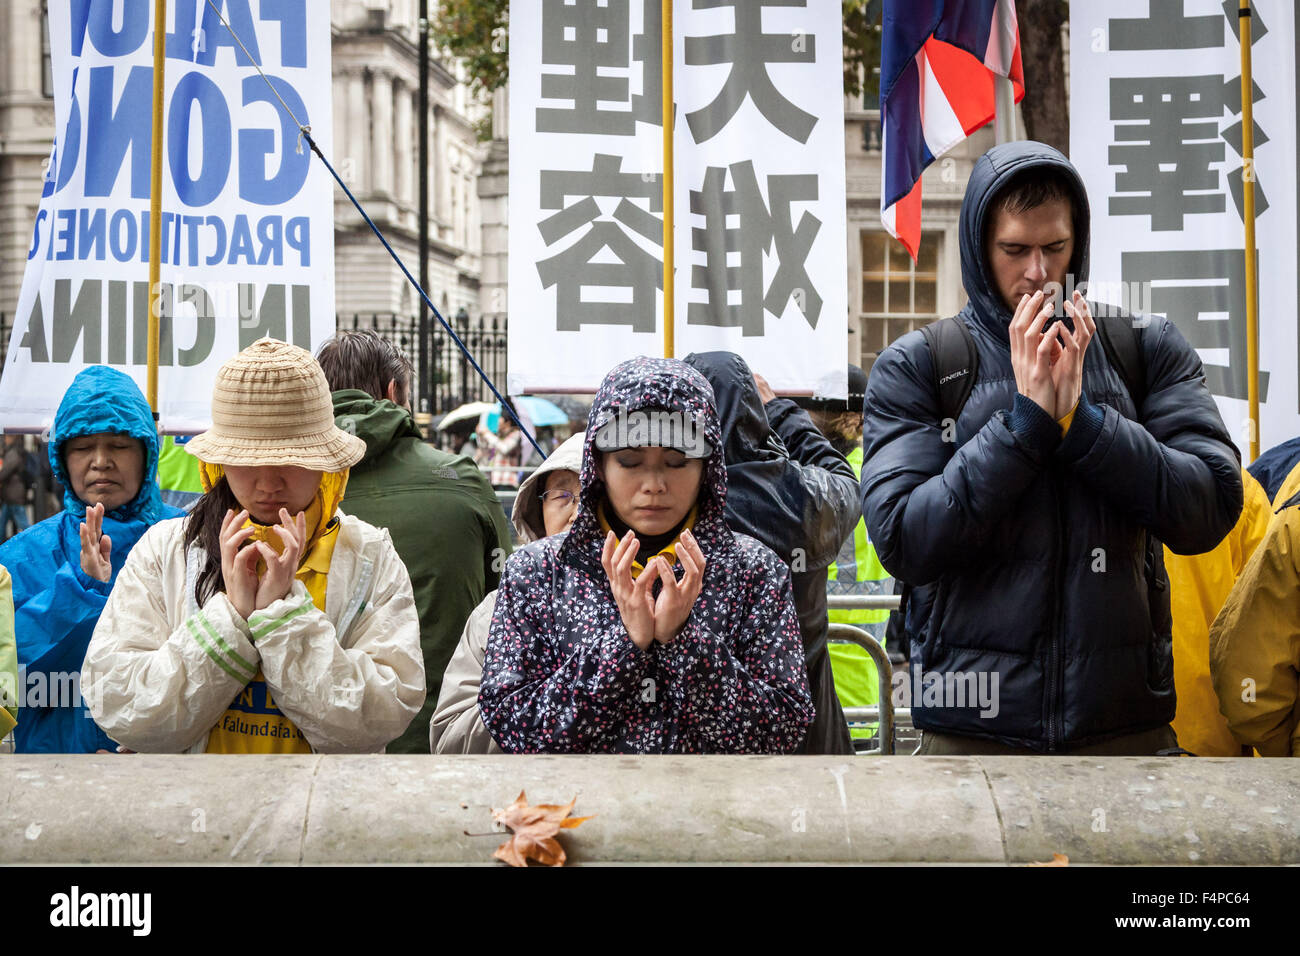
(1119, 338)
(956, 363)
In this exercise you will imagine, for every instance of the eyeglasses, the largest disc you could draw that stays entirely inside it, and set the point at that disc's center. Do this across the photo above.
(557, 497)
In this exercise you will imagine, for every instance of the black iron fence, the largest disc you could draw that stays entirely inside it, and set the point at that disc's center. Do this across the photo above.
(452, 380)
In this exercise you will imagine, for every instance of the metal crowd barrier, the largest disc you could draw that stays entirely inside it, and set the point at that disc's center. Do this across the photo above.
(884, 710)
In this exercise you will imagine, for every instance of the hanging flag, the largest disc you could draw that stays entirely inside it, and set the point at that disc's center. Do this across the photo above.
(937, 63)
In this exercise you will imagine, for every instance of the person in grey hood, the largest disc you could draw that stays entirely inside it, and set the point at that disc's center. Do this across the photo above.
(546, 504)
(650, 626)
(1030, 527)
(789, 488)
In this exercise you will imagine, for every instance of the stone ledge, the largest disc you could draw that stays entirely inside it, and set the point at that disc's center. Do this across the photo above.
(407, 809)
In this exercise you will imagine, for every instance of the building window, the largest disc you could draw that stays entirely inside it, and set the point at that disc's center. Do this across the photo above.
(898, 295)
(47, 68)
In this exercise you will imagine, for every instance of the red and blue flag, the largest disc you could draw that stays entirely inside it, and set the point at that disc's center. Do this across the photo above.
(937, 63)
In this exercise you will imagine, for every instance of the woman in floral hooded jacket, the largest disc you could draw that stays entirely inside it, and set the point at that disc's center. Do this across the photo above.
(563, 672)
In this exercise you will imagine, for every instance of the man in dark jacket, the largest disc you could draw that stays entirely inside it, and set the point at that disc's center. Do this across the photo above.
(787, 487)
(1030, 527)
(442, 514)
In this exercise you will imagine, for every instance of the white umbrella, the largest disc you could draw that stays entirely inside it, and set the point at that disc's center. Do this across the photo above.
(468, 410)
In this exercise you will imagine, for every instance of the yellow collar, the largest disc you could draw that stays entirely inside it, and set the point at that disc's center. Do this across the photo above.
(322, 550)
(669, 550)
(319, 514)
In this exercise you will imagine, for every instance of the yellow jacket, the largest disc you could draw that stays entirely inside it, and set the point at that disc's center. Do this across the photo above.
(1289, 487)
(1255, 640)
(8, 657)
(1198, 586)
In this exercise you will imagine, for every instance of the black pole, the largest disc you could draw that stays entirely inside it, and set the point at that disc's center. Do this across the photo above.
(424, 204)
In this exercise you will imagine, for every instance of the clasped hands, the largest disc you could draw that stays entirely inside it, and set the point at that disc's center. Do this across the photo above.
(1049, 367)
(247, 590)
(646, 617)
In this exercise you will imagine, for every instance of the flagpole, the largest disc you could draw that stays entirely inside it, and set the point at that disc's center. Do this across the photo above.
(1248, 194)
(666, 71)
(1004, 103)
(155, 201)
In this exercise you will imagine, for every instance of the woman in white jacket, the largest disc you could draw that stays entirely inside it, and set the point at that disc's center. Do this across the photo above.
(546, 504)
(266, 621)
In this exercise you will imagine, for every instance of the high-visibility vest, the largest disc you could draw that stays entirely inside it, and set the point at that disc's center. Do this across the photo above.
(178, 473)
(857, 570)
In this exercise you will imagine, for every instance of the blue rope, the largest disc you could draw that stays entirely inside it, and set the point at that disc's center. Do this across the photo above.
(306, 134)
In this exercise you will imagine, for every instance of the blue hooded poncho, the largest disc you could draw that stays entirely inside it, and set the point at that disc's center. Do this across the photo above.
(56, 604)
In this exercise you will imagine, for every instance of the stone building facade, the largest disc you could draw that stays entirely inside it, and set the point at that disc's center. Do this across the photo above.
(26, 132)
(889, 295)
(376, 88)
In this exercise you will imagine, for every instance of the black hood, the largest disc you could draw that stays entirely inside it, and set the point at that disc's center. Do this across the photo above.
(988, 177)
(765, 498)
(746, 434)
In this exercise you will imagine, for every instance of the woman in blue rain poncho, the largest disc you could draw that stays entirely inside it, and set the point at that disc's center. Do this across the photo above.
(104, 451)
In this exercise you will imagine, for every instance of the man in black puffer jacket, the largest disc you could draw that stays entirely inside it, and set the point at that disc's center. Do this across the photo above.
(1031, 530)
(789, 488)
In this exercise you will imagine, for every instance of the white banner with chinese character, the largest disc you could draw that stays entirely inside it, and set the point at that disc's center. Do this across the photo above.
(1156, 132)
(759, 181)
(247, 222)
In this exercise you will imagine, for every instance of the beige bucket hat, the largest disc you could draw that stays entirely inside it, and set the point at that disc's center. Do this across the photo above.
(271, 406)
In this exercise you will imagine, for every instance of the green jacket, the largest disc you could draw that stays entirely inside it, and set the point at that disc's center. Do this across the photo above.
(445, 522)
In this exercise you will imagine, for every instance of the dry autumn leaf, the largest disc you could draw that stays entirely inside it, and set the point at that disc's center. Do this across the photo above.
(534, 830)
(1058, 859)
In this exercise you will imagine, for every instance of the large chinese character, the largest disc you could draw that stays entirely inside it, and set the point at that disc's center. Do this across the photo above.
(1179, 291)
(757, 229)
(1169, 162)
(1167, 27)
(749, 50)
(1169, 101)
(647, 49)
(574, 270)
(1233, 137)
(591, 35)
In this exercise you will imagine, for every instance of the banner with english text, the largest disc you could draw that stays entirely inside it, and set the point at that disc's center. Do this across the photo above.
(247, 221)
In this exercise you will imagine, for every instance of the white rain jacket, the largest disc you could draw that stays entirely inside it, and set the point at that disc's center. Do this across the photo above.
(160, 671)
(456, 726)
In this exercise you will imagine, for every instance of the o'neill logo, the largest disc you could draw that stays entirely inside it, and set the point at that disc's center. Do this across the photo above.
(102, 909)
(951, 375)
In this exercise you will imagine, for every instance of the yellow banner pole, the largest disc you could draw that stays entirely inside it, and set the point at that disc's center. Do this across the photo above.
(155, 200)
(666, 72)
(1248, 194)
